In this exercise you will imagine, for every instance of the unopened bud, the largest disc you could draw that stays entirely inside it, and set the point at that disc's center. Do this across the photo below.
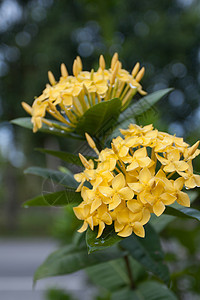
(102, 63)
(140, 75)
(64, 72)
(92, 74)
(79, 63)
(193, 149)
(75, 68)
(91, 143)
(115, 71)
(114, 60)
(135, 69)
(84, 161)
(114, 149)
(27, 108)
(51, 78)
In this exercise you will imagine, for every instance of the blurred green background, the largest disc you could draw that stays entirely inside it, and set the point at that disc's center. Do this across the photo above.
(37, 36)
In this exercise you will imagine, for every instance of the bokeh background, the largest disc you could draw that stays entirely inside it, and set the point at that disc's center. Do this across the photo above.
(37, 36)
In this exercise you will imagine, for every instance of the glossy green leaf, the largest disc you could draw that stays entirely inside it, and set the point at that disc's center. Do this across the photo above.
(99, 118)
(183, 212)
(148, 290)
(72, 258)
(148, 252)
(113, 275)
(61, 178)
(160, 223)
(61, 198)
(144, 104)
(126, 294)
(26, 123)
(136, 109)
(152, 290)
(107, 239)
(65, 156)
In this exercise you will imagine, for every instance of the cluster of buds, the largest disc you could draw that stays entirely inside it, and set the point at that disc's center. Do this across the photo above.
(142, 173)
(69, 98)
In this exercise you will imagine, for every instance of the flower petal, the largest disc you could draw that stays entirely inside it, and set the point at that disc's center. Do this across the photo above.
(138, 229)
(101, 228)
(127, 231)
(183, 199)
(178, 183)
(83, 227)
(142, 152)
(146, 216)
(168, 199)
(126, 193)
(116, 200)
(95, 204)
(145, 176)
(158, 208)
(118, 226)
(136, 187)
(134, 206)
(118, 182)
(106, 191)
(123, 216)
(181, 165)
(134, 165)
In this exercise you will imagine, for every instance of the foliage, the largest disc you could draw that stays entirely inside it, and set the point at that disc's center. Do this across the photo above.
(58, 294)
(166, 35)
(133, 266)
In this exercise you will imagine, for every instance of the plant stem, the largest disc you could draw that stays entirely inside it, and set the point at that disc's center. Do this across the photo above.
(132, 285)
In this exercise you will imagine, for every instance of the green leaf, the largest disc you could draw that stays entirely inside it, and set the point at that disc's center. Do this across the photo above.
(126, 294)
(135, 110)
(183, 212)
(61, 198)
(99, 118)
(144, 104)
(152, 290)
(70, 259)
(65, 156)
(61, 178)
(26, 123)
(148, 252)
(107, 239)
(148, 290)
(113, 274)
(159, 223)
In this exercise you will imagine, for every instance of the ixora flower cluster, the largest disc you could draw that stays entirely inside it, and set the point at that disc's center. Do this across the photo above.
(134, 179)
(69, 98)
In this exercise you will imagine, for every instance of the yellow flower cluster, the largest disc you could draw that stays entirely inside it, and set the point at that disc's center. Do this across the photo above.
(69, 98)
(134, 179)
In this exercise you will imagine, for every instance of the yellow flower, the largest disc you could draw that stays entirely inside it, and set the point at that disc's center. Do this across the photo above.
(118, 192)
(173, 163)
(134, 180)
(158, 198)
(69, 98)
(139, 159)
(87, 174)
(191, 180)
